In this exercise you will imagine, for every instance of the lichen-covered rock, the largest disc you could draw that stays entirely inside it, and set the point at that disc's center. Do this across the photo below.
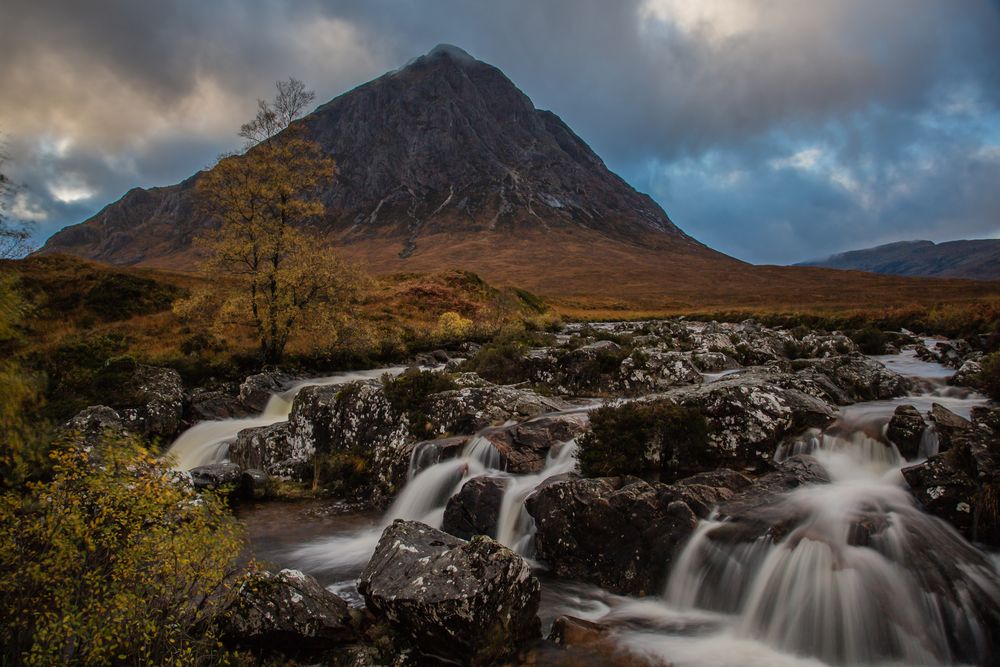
(470, 409)
(619, 532)
(475, 509)
(271, 449)
(288, 612)
(156, 399)
(473, 603)
(649, 370)
(906, 430)
(860, 377)
(524, 446)
(748, 413)
(355, 419)
(93, 426)
(948, 425)
(712, 362)
(967, 375)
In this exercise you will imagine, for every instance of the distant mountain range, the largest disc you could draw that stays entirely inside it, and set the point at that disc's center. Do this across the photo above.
(445, 164)
(976, 260)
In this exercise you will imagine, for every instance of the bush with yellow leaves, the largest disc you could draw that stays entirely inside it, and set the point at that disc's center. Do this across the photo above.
(112, 561)
(454, 327)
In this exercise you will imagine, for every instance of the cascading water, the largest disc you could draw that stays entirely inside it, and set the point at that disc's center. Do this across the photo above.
(208, 441)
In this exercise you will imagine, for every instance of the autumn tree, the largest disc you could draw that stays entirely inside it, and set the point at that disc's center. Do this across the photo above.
(264, 200)
(14, 236)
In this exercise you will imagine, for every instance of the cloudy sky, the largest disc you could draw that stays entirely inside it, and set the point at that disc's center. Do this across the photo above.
(774, 130)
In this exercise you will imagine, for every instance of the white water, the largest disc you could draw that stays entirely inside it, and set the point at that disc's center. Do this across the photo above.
(208, 441)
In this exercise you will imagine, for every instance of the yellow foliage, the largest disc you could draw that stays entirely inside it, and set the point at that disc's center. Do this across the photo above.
(453, 326)
(112, 562)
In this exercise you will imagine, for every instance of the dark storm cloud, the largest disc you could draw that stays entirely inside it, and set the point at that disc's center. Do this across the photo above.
(773, 129)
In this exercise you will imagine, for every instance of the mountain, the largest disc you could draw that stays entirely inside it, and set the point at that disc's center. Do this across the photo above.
(444, 163)
(976, 259)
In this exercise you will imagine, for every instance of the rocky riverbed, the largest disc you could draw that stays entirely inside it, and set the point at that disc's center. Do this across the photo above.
(837, 508)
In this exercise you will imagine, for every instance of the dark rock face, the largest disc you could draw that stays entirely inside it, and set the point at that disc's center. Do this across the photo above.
(216, 475)
(214, 404)
(269, 448)
(475, 509)
(948, 425)
(471, 602)
(157, 397)
(621, 533)
(905, 430)
(860, 378)
(288, 612)
(524, 446)
(257, 389)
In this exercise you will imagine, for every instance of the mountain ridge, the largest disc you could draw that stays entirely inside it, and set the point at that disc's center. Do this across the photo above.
(974, 259)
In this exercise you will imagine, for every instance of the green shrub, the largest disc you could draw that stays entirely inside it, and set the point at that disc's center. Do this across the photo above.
(112, 562)
(407, 393)
(989, 377)
(870, 340)
(119, 296)
(501, 363)
(654, 440)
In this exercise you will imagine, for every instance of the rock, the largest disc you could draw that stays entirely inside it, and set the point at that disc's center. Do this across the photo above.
(216, 476)
(93, 427)
(906, 430)
(650, 370)
(525, 446)
(215, 404)
(620, 533)
(712, 362)
(255, 485)
(426, 453)
(355, 420)
(859, 377)
(256, 390)
(156, 399)
(475, 509)
(948, 425)
(473, 602)
(288, 612)
(469, 409)
(967, 375)
(945, 489)
(271, 449)
(748, 414)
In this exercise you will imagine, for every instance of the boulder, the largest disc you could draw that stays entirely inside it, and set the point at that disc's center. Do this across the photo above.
(967, 375)
(948, 425)
(650, 370)
(156, 399)
(255, 485)
(426, 453)
(288, 612)
(525, 446)
(271, 449)
(216, 476)
(469, 409)
(906, 430)
(861, 378)
(475, 509)
(92, 427)
(215, 404)
(473, 603)
(749, 413)
(712, 362)
(256, 390)
(620, 533)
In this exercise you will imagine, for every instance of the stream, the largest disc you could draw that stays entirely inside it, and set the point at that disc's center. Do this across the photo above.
(813, 597)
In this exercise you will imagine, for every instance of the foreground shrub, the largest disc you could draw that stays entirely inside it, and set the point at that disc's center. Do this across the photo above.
(657, 439)
(112, 562)
(989, 377)
(500, 363)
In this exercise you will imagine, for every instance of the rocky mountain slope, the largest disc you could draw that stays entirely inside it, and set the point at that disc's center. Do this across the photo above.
(975, 259)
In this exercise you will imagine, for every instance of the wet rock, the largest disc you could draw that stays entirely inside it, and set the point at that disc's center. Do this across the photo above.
(525, 446)
(948, 425)
(967, 375)
(620, 533)
(271, 449)
(475, 509)
(749, 413)
(905, 430)
(256, 390)
(649, 370)
(156, 397)
(426, 453)
(215, 404)
(470, 409)
(216, 476)
(288, 612)
(255, 485)
(859, 377)
(473, 602)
